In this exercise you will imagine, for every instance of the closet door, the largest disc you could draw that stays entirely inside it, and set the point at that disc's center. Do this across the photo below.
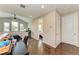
(70, 29)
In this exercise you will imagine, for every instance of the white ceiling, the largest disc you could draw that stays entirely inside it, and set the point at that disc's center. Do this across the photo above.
(35, 9)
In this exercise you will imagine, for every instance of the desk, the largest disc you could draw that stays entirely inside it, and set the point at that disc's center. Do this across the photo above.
(6, 49)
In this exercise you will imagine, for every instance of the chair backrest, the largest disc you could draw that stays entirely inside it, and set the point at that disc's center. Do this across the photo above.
(26, 40)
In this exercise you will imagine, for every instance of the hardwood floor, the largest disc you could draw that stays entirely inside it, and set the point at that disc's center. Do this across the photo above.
(39, 48)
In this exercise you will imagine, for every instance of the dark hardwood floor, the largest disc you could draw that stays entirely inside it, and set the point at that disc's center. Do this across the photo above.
(37, 47)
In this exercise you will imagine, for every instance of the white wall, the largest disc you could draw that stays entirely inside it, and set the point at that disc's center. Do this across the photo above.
(51, 28)
(70, 29)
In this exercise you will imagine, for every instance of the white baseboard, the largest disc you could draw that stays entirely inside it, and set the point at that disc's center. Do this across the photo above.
(70, 44)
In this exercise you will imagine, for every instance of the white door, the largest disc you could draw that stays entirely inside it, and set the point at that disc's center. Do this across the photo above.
(70, 29)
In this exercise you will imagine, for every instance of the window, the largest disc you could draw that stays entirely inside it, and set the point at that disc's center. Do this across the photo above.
(21, 27)
(14, 26)
(6, 27)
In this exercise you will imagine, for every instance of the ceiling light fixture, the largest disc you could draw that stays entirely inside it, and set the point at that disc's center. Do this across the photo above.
(42, 6)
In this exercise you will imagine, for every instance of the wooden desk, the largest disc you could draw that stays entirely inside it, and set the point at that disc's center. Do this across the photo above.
(5, 50)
